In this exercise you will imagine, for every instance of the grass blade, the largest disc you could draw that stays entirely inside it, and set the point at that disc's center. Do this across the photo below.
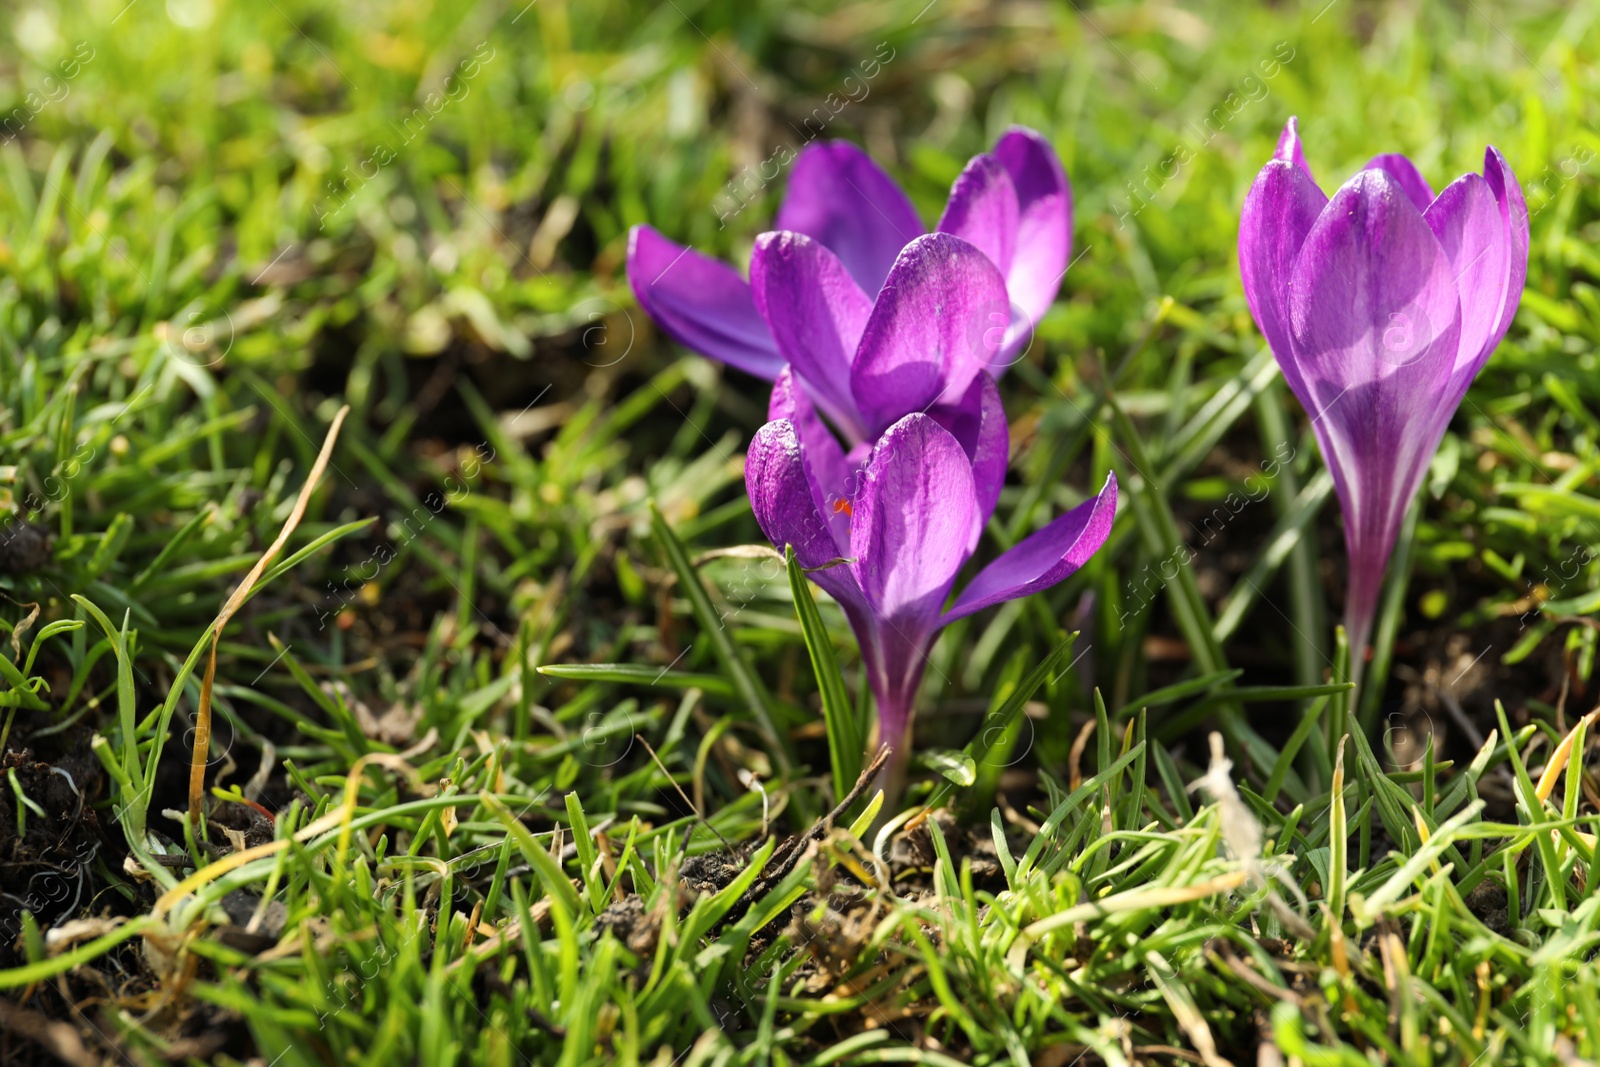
(847, 736)
(745, 682)
(639, 674)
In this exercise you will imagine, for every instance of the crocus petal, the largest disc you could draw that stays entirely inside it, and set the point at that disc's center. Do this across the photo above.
(1044, 227)
(913, 521)
(1376, 323)
(1279, 211)
(783, 497)
(789, 399)
(1406, 173)
(1514, 211)
(982, 210)
(1042, 559)
(825, 463)
(816, 313)
(940, 319)
(978, 423)
(1289, 148)
(838, 195)
(1373, 307)
(1467, 222)
(700, 303)
(780, 494)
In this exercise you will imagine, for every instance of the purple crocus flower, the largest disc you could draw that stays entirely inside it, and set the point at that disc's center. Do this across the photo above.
(1381, 305)
(891, 524)
(1014, 204)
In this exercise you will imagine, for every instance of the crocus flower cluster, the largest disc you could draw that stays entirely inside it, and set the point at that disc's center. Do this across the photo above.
(1381, 305)
(887, 445)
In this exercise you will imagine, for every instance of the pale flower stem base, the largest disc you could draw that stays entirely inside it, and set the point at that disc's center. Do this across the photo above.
(1361, 612)
(1357, 663)
(1359, 632)
(892, 775)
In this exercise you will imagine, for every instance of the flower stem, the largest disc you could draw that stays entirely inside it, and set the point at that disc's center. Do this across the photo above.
(1358, 628)
(892, 775)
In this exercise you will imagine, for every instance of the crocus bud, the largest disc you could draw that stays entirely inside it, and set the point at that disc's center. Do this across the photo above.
(1381, 305)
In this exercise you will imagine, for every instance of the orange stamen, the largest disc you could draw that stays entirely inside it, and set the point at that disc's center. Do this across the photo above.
(843, 505)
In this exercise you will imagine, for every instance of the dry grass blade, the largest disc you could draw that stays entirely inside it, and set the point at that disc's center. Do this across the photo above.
(1560, 757)
(1184, 1010)
(784, 860)
(202, 729)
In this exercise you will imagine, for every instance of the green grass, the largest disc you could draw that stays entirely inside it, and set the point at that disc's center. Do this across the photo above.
(505, 658)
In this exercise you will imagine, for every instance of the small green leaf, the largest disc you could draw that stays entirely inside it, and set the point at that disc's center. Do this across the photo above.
(956, 766)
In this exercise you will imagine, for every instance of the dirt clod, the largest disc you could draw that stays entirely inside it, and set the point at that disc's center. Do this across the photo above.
(24, 547)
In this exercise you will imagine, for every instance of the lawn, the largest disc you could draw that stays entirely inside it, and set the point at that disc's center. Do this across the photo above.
(393, 670)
